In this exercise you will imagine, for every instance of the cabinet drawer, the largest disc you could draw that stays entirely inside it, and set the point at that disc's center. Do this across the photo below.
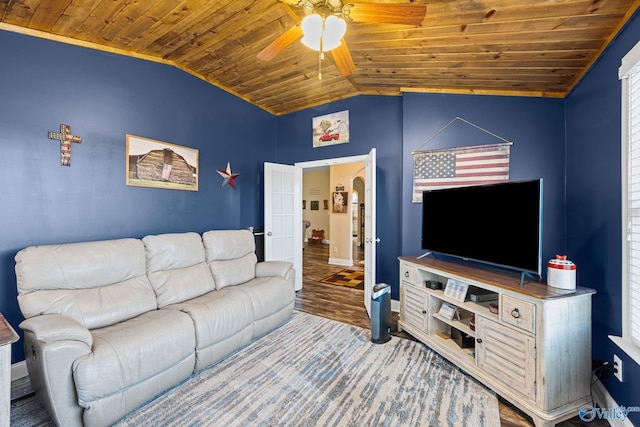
(408, 273)
(518, 313)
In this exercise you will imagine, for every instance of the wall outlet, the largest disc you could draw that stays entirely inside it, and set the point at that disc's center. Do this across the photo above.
(335, 249)
(617, 365)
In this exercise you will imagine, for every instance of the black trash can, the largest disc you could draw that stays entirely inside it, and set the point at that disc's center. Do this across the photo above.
(381, 313)
(258, 235)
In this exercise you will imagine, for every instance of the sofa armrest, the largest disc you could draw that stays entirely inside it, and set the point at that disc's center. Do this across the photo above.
(54, 327)
(52, 343)
(273, 269)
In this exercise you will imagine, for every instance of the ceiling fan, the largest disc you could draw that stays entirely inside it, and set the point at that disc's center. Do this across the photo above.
(325, 23)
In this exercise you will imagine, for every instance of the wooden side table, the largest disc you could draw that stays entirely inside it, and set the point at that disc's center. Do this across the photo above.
(7, 337)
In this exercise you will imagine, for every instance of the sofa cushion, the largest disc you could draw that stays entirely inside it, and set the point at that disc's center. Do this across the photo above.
(85, 281)
(176, 267)
(234, 271)
(223, 245)
(268, 295)
(231, 256)
(223, 322)
(132, 352)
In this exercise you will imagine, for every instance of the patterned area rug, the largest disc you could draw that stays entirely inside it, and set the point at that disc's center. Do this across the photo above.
(350, 278)
(314, 371)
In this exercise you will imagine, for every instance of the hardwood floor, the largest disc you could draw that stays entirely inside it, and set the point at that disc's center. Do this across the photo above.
(347, 305)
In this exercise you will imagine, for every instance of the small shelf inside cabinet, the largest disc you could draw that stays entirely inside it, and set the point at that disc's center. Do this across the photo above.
(461, 325)
(468, 353)
(473, 307)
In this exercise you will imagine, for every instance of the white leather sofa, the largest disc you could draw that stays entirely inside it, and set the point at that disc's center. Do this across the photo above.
(111, 324)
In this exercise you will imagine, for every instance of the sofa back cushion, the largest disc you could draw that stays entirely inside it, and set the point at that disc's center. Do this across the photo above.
(231, 256)
(176, 267)
(95, 283)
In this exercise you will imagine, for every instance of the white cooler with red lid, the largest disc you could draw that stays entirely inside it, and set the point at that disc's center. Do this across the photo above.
(561, 273)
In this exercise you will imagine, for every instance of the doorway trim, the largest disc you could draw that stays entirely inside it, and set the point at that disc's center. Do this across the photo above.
(331, 162)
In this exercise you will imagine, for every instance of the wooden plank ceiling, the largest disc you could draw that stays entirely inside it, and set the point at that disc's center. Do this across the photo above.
(504, 47)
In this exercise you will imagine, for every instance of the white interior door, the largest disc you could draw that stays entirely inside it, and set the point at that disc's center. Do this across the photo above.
(283, 216)
(370, 238)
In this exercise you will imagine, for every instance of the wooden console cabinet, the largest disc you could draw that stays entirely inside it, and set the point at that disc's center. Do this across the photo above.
(535, 352)
(7, 337)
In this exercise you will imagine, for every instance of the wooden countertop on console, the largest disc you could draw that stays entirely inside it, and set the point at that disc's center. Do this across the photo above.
(497, 277)
(7, 334)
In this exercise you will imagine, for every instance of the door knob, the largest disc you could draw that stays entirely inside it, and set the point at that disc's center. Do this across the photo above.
(269, 233)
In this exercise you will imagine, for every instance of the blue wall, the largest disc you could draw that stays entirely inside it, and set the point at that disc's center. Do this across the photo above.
(534, 125)
(594, 217)
(103, 97)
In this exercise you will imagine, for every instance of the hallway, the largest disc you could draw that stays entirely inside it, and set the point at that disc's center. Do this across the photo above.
(335, 302)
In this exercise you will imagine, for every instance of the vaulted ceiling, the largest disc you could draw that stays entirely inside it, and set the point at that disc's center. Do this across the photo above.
(504, 47)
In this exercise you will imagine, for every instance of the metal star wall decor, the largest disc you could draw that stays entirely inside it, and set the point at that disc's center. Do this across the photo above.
(228, 176)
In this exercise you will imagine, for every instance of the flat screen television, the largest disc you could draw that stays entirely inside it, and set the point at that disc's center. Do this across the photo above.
(498, 224)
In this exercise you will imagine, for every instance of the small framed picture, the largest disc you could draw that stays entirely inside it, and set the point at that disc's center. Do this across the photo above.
(456, 289)
(447, 311)
(314, 205)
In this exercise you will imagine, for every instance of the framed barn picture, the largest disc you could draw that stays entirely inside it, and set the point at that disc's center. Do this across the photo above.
(158, 164)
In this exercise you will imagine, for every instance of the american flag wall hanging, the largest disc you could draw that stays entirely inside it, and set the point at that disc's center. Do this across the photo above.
(458, 167)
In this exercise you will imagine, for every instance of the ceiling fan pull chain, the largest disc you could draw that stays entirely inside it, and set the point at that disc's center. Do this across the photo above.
(321, 52)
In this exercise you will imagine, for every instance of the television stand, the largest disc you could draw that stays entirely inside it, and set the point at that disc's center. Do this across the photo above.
(533, 349)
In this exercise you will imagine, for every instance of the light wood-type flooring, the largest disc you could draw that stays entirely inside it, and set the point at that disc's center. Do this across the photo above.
(347, 305)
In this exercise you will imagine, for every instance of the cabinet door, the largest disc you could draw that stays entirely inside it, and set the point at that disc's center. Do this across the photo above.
(413, 308)
(507, 355)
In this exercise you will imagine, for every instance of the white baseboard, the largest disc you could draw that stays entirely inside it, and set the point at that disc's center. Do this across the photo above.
(395, 306)
(342, 262)
(19, 370)
(604, 400)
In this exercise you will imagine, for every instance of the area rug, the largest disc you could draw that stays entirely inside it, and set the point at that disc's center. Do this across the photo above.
(350, 278)
(314, 371)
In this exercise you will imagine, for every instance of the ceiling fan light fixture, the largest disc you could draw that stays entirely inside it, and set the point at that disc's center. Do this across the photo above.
(330, 30)
(334, 29)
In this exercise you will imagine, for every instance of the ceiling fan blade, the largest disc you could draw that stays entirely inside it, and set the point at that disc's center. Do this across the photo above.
(278, 45)
(343, 60)
(287, 6)
(387, 13)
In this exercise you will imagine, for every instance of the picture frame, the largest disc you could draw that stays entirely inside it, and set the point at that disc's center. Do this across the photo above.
(315, 205)
(330, 129)
(325, 204)
(340, 201)
(304, 204)
(158, 164)
(456, 289)
(447, 311)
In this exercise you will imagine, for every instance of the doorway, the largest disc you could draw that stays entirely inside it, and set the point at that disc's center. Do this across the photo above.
(334, 230)
(283, 208)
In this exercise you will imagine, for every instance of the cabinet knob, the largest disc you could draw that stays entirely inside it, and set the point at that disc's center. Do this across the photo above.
(406, 274)
(479, 340)
(515, 313)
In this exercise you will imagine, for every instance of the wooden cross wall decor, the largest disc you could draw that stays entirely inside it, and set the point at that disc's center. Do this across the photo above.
(65, 138)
